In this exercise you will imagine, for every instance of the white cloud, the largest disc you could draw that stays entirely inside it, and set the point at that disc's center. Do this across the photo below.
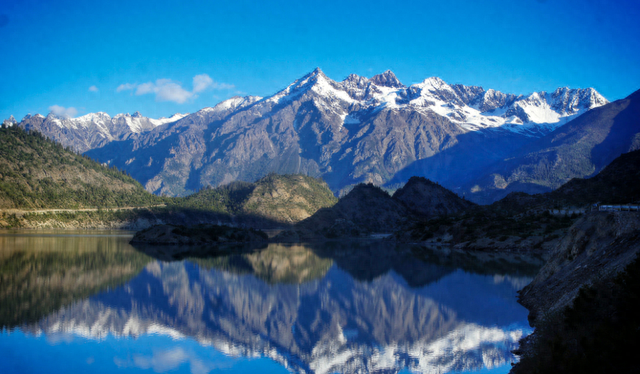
(167, 360)
(93, 89)
(61, 111)
(165, 90)
(145, 88)
(201, 82)
(223, 86)
(125, 87)
(168, 90)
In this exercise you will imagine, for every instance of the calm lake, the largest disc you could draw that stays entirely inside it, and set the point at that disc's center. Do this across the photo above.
(87, 301)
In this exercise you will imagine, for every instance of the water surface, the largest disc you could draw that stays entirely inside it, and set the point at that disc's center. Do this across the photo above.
(88, 301)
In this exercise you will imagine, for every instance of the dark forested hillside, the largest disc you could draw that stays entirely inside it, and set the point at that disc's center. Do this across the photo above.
(37, 172)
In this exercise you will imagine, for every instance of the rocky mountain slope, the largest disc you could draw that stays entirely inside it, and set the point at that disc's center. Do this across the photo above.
(597, 246)
(357, 130)
(92, 130)
(579, 149)
(366, 209)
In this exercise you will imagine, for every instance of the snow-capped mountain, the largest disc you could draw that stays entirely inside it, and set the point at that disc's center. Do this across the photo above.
(471, 107)
(356, 130)
(94, 129)
(9, 121)
(330, 323)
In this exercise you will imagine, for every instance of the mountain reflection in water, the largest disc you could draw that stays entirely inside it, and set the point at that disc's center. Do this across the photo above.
(325, 308)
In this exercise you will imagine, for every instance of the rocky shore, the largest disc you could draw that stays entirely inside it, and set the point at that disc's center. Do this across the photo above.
(580, 301)
(597, 247)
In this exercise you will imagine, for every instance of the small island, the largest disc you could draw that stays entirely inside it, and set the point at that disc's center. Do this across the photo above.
(198, 234)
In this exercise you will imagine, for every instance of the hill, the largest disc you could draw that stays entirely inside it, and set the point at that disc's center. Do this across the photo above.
(282, 198)
(525, 221)
(583, 302)
(368, 209)
(428, 199)
(617, 183)
(40, 173)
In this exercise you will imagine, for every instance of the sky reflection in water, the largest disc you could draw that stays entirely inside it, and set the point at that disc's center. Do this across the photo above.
(94, 303)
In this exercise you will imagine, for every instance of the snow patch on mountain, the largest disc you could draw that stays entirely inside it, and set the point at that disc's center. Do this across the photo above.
(163, 120)
(471, 107)
(235, 103)
(9, 121)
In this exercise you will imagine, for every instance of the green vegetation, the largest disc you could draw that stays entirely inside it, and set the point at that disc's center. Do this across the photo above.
(276, 264)
(224, 199)
(282, 198)
(35, 283)
(37, 172)
(599, 333)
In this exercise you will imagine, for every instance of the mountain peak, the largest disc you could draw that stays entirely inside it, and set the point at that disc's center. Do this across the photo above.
(387, 79)
(434, 82)
(316, 72)
(9, 121)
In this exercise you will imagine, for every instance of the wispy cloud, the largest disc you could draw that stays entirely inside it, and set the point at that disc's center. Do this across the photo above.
(167, 360)
(61, 111)
(169, 90)
(93, 89)
(125, 87)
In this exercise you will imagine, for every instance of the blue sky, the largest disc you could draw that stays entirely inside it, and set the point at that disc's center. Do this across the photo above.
(162, 57)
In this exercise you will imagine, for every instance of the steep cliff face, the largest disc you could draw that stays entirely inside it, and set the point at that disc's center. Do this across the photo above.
(596, 247)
